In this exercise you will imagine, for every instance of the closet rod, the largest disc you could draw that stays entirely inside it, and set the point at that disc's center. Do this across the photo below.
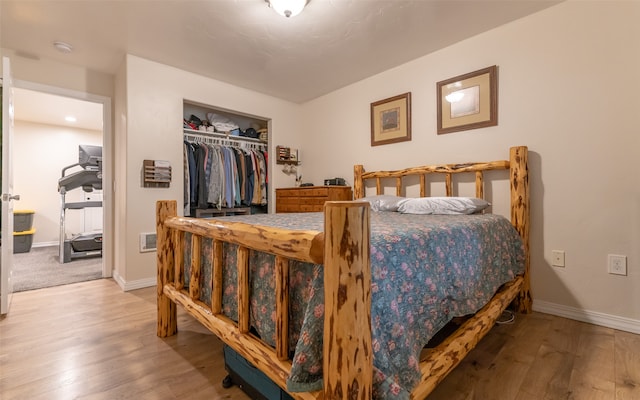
(225, 140)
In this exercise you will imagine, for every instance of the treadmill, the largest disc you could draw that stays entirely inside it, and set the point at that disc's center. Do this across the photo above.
(88, 178)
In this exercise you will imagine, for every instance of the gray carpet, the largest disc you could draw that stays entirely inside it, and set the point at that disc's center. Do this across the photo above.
(40, 268)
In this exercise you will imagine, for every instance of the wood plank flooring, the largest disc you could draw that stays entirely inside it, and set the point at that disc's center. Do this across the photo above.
(90, 340)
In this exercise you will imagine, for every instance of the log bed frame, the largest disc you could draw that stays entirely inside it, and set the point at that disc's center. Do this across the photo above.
(343, 249)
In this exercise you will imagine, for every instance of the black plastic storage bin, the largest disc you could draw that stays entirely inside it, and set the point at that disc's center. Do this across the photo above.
(22, 220)
(251, 380)
(22, 241)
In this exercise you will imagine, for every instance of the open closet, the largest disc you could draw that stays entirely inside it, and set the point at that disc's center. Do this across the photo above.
(225, 162)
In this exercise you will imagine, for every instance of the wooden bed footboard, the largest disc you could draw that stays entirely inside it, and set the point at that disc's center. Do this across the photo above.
(343, 249)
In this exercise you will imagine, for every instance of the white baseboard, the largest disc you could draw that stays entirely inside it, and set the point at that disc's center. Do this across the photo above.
(133, 285)
(592, 317)
(45, 244)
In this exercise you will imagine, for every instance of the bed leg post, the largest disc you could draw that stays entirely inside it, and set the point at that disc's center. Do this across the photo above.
(347, 348)
(520, 218)
(358, 188)
(167, 317)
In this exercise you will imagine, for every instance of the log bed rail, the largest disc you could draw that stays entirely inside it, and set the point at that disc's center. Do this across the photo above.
(343, 249)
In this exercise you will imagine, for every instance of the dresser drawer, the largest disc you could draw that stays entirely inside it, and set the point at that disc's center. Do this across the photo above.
(309, 199)
(282, 193)
(311, 207)
(313, 200)
(287, 208)
(288, 200)
(314, 192)
(303, 192)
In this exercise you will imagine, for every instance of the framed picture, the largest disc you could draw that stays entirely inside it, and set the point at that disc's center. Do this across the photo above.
(391, 120)
(468, 101)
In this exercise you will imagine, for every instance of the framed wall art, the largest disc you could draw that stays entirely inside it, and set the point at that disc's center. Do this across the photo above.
(468, 101)
(391, 120)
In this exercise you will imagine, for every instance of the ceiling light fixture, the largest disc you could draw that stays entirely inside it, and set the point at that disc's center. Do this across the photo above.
(63, 47)
(288, 8)
(70, 118)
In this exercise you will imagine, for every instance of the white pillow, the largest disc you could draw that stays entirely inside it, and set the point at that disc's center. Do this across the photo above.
(383, 202)
(442, 205)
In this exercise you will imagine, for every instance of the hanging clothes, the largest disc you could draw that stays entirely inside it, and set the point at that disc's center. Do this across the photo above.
(224, 175)
(186, 194)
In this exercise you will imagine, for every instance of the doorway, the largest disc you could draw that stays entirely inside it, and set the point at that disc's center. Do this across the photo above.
(45, 143)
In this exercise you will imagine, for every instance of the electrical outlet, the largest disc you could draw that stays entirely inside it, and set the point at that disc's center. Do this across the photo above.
(557, 258)
(617, 264)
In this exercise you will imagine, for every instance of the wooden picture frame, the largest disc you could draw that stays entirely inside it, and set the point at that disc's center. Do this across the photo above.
(468, 101)
(391, 120)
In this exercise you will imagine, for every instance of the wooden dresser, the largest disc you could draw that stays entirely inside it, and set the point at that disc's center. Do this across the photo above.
(310, 198)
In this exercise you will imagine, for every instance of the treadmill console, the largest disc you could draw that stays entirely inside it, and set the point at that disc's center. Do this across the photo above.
(89, 156)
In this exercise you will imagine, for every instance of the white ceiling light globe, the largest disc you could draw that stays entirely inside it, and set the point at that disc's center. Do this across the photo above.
(288, 8)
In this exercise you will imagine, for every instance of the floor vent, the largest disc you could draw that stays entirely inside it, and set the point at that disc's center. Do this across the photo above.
(147, 242)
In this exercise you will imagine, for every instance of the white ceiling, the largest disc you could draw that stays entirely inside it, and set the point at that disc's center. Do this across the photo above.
(331, 44)
(50, 109)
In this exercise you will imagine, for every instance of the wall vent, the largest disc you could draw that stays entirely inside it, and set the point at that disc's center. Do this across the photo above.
(147, 242)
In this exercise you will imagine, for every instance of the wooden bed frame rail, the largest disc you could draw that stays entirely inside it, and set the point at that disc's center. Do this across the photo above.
(343, 249)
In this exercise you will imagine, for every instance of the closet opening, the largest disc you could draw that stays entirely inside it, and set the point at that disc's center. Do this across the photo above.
(226, 162)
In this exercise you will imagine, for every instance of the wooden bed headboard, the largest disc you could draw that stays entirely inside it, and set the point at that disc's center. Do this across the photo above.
(517, 164)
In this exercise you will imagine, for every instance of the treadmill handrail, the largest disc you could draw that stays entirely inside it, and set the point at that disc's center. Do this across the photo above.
(68, 167)
(85, 178)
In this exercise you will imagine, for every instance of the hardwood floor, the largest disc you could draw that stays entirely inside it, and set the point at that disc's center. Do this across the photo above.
(92, 341)
(546, 357)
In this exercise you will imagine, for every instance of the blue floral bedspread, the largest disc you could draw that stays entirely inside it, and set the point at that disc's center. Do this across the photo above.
(426, 270)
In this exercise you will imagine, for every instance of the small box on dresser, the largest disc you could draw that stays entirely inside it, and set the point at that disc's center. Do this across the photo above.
(309, 199)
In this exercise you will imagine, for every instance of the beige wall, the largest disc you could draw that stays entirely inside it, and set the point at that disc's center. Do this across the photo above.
(153, 130)
(568, 89)
(52, 73)
(39, 153)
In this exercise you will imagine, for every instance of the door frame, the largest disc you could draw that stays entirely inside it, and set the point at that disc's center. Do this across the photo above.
(107, 163)
(6, 258)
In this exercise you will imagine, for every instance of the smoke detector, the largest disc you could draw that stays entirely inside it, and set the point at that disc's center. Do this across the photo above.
(63, 47)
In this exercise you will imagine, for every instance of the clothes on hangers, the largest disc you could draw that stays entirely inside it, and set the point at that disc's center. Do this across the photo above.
(223, 175)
